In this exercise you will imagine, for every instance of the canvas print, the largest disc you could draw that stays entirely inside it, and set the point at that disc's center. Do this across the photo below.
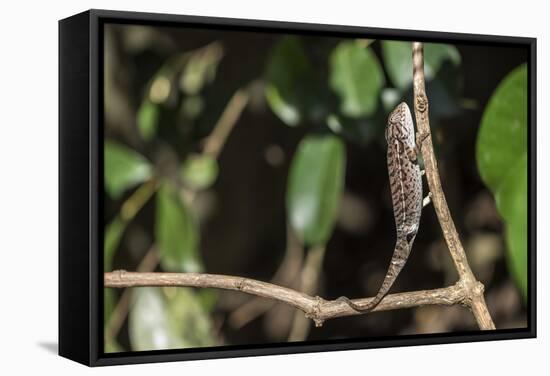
(263, 187)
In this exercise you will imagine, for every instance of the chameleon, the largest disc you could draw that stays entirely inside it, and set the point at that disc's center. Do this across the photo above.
(405, 179)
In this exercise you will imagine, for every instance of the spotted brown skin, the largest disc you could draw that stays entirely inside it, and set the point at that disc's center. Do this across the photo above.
(406, 193)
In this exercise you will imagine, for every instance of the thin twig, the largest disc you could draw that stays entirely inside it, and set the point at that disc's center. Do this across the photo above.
(285, 275)
(138, 199)
(314, 307)
(217, 138)
(475, 299)
(309, 284)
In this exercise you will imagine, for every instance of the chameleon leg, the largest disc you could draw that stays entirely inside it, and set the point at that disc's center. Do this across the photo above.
(427, 200)
(414, 152)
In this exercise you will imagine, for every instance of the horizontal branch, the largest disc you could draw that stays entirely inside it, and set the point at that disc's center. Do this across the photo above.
(314, 307)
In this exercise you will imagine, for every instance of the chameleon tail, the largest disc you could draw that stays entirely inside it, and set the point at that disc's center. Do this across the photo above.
(399, 258)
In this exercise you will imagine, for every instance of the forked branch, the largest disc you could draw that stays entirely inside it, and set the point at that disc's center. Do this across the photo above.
(467, 291)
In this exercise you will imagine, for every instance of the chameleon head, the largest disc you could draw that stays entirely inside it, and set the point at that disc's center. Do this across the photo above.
(400, 124)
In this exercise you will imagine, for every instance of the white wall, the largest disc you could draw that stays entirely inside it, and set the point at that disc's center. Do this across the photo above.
(28, 235)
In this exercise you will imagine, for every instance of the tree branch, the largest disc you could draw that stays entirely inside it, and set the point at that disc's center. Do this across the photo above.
(474, 288)
(467, 291)
(314, 307)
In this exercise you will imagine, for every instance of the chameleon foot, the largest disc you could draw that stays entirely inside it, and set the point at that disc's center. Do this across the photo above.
(427, 200)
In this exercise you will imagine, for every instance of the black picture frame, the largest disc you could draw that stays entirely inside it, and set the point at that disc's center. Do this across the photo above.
(81, 173)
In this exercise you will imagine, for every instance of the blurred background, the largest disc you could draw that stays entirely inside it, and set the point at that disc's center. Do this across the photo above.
(262, 155)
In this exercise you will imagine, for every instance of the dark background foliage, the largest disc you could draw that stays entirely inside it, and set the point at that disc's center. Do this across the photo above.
(165, 90)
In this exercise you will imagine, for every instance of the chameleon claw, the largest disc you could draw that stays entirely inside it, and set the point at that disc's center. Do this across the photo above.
(427, 200)
(422, 172)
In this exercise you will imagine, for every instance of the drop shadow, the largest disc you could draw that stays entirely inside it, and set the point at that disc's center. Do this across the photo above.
(51, 347)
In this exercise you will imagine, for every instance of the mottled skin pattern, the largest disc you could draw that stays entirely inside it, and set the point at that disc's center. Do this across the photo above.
(406, 192)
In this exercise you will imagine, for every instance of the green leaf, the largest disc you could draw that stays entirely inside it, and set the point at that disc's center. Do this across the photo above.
(356, 75)
(398, 60)
(168, 318)
(502, 163)
(288, 81)
(192, 106)
(390, 98)
(315, 186)
(176, 233)
(112, 346)
(113, 234)
(192, 321)
(149, 325)
(199, 171)
(124, 168)
(512, 203)
(109, 303)
(201, 68)
(148, 119)
(207, 298)
(502, 136)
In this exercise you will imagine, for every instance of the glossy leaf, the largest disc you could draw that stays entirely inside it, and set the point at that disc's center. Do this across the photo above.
(315, 185)
(161, 87)
(502, 164)
(390, 98)
(502, 136)
(176, 233)
(512, 204)
(288, 79)
(199, 171)
(356, 76)
(193, 324)
(149, 325)
(208, 298)
(398, 60)
(201, 68)
(124, 169)
(168, 318)
(147, 120)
